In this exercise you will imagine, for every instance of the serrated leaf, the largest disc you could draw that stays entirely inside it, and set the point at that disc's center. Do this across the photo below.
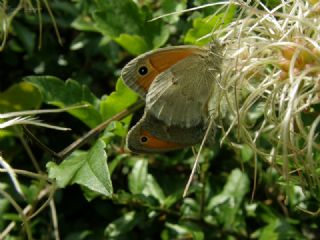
(21, 96)
(61, 94)
(138, 176)
(226, 205)
(122, 225)
(118, 100)
(88, 169)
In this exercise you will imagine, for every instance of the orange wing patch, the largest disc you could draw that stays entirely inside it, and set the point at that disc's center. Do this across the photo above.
(146, 80)
(155, 143)
(161, 61)
(164, 60)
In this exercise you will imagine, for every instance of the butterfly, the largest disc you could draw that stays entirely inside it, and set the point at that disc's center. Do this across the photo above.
(176, 83)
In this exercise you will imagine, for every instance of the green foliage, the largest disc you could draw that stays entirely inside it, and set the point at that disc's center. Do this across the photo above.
(61, 94)
(118, 100)
(203, 27)
(130, 26)
(229, 201)
(88, 169)
(102, 191)
(18, 97)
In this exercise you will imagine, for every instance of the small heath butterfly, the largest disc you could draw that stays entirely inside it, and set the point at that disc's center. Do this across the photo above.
(176, 83)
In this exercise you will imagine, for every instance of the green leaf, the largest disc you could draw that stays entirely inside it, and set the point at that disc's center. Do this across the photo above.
(26, 36)
(80, 235)
(115, 17)
(88, 169)
(226, 205)
(61, 94)
(246, 153)
(4, 207)
(115, 129)
(31, 192)
(134, 44)
(122, 98)
(142, 182)
(153, 189)
(184, 232)
(123, 20)
(169, 6)
(84, 23)
(190, 207)
(122, 225)
(279, 229)
(202, 27)
(138, 176)
(21, 96)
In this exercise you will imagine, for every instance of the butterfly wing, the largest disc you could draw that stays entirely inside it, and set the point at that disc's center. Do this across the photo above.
(179, 95)
(152, 135)
(140, 72)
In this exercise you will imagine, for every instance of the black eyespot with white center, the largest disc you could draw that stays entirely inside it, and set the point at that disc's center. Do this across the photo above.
(143, 70)
(144, 139)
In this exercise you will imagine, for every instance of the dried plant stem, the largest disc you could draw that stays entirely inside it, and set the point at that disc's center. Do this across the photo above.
(196, 162)
(22, 214)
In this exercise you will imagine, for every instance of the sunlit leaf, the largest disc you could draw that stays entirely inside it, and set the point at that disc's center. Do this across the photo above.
(202, 27)
(88, 169)
(61, 94)
(122, 225)
(134, 44)
(226, 205)
(169, 6)
(138, 176)
(154, 189)
(120, 99)
(124, 21)
(185, 232)
(279, 229)
(21, 96)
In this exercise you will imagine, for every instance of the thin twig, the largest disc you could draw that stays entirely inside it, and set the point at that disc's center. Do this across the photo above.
(93, 132)
(21, 213)
(24, 212)
(29, 152)
(196, 162)
(38, 142)
(54, 220)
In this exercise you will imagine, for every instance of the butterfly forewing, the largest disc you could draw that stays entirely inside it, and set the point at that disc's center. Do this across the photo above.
(179, 95)
(140, 72)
